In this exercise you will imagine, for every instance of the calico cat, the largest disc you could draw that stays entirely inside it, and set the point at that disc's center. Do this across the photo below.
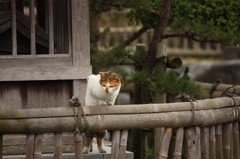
(102, 90)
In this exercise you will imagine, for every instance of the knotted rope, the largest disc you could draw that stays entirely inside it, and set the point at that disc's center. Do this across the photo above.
(215, 84)
(229, 92)
(79, 114)
(182, 97)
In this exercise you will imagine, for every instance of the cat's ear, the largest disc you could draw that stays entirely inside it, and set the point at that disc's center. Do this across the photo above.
(102, 74)
(118, 76)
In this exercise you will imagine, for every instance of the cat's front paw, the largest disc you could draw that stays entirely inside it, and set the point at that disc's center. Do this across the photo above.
(103, 103)
(85, 150)
(110, 103)
(102, 150)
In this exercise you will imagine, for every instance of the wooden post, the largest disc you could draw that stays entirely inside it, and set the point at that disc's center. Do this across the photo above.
(193, 143)
(219, 150)
(115, 144)
(30, 146)
(32, 26)
(123, 144)
(205, 142)
(58, 146)
(81, 55)
(227, 129)
(14, 27)
(212, 143)
(50, 27)
(178, 144)
(163, 152)
(78, 140)
(38, 146)
(159, 98)
(236, 154)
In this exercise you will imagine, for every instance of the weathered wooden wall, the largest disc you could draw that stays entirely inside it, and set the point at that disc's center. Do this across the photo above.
(35, 94)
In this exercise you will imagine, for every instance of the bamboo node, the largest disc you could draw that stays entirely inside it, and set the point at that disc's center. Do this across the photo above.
(177, 154)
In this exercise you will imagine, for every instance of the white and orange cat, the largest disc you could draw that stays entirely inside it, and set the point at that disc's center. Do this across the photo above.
(102, 90)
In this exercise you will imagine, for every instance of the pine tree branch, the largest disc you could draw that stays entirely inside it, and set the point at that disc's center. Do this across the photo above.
(134, 36)
(196, 37)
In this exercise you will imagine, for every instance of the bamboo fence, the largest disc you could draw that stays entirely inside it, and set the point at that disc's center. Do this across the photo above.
(201, 138)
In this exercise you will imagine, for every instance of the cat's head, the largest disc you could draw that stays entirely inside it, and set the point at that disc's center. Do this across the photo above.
(109, 81)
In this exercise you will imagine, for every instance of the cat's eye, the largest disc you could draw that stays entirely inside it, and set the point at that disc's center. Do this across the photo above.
(111, 86)
(104, 85)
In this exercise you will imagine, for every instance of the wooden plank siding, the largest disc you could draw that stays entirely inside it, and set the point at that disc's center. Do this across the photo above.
(35, 94)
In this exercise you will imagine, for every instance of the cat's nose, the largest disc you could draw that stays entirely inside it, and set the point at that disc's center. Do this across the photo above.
(106, 90)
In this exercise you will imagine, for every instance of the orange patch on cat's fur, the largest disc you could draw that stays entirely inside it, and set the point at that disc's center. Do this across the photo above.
(109, 77)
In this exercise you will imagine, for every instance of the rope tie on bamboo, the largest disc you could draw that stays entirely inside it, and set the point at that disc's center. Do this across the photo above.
(229, 92)
(79, 114)
(182, 97)
(215, 84)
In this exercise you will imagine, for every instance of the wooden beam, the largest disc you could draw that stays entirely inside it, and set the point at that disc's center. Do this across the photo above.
(44, 73)
(39, 60)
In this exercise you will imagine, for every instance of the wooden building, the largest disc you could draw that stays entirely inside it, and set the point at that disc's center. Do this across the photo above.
(44, 57)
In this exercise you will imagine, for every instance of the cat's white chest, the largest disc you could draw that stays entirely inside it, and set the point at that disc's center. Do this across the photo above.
(96, 95)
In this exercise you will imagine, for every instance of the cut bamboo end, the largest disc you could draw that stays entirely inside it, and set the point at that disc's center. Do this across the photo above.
(168, 130)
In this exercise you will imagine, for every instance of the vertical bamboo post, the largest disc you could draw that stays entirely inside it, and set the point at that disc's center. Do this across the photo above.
(227, 128)
(212, 143)
(193, 143)
(58, 146)
(14, 27)
(32, 27)
(205, 142)
(144, 145)
(1, 146)
(134, 143)
(38, 146)
(78, 141)
(50, 27)
(123, 144)
(236, 141)
(115, 144)
(30, 146)
(159, 98)
(164, 147)
(231, 143)
(219, 150)
(178, 144)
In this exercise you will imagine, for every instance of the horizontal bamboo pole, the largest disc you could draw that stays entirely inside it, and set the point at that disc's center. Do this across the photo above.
(116, 122)
(118, 109)
(220, 87)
